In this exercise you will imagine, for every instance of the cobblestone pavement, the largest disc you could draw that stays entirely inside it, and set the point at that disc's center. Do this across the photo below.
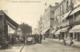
(46, 46)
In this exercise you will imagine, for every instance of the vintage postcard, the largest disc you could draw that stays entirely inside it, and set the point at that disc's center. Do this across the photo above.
(39, 25)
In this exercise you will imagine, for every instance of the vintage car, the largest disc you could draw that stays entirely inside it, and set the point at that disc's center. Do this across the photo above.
(30, 39)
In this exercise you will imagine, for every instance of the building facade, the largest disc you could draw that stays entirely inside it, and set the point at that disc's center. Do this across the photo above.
(58, 21)
(40, 25)
(74, 21)
(61, 12)
(47, 21)
(66, 19)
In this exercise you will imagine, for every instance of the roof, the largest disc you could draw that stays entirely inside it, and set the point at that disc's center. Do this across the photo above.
(12, 22)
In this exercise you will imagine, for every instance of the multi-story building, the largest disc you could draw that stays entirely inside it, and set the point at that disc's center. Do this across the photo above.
(59, 20)
(74, 20)
(61, 12)
(46, 20)
(66, 19)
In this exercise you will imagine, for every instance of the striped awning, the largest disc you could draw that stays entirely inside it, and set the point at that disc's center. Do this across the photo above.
(64, 29)
(75, 29)
(58, 31)
(75, 10)
(53, 31)
(61, 30)
(43, 32)
(65, 15)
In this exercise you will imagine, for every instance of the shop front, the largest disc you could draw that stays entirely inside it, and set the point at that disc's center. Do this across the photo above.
(46, 32)
(57, 33)
(62, 33)
(75, 32)
(53, 33)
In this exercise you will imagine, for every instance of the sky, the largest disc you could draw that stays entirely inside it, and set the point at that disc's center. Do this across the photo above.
(26, 12)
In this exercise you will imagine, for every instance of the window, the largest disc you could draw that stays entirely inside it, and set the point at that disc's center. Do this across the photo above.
(63, 9)
(67, 6)
(71, 5)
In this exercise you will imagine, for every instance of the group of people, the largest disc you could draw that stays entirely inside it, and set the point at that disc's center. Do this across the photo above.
(38, 38)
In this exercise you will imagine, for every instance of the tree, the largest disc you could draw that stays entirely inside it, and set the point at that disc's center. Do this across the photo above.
(26, 29)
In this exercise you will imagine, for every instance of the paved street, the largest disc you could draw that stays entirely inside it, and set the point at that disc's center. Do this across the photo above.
(46, 46)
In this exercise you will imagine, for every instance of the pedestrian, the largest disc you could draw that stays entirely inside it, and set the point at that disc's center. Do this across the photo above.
(44, 36)
(59, 37)
(37, 38)
(64, 41)
(54, 36)
(40, 38)
(71, 41)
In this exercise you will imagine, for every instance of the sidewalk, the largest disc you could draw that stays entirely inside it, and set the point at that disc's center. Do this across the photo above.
(76, 44)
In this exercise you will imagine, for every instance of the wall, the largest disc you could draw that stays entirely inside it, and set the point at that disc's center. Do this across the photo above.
(46, 20)
(1, 24)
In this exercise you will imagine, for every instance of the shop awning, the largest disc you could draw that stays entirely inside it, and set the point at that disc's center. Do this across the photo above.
(61, 30)
(75, 29)
(64, 29)
(11, 22)
(53, 31)
(65, 15)
(75, 10)
(58, 32)
(44, 31)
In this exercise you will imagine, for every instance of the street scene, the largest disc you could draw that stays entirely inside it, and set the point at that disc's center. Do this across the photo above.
(46, 46)
(39, 25)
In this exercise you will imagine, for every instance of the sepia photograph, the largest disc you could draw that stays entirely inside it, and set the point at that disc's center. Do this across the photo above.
(39, 25)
